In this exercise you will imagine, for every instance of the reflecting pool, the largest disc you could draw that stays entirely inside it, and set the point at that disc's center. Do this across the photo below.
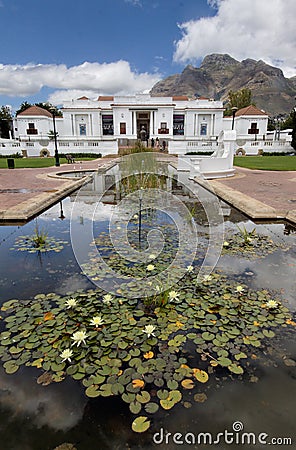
(259, 402)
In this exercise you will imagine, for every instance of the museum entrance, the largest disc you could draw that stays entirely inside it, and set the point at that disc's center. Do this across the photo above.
(143, 120)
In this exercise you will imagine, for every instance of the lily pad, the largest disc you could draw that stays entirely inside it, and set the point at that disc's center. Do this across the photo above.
(141, 424)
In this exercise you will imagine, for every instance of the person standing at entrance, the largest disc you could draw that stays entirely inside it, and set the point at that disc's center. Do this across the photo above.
(157, 142)
(152, 143)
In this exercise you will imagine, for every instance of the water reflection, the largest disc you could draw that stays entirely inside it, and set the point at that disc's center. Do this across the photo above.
(49, 416)
(58, 406)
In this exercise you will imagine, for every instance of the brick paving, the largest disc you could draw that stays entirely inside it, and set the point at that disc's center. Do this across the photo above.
(271, 192)
(261, 194)
(25, 191)
(274, 188)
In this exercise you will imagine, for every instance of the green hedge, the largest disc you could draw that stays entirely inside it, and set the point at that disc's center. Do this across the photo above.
(199, 153)
(277, 154)
(81, 155)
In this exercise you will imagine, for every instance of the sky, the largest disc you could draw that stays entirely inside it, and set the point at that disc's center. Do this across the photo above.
(58, 50)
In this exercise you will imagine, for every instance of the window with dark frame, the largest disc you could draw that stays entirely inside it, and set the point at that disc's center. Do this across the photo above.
(253, 129)
(31, 129)
(107, 124)
(122, 127)
(178, 124)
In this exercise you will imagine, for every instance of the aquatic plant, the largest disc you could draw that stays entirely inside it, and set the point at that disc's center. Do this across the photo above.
(115, 347)
(39, 242)
(250, 244)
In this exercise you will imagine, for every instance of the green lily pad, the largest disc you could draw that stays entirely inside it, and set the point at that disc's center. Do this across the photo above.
(143, 397)
(92, 391)
(135, 407)
(234, 368)
(151, 407)
(141, 424)
(10, 367)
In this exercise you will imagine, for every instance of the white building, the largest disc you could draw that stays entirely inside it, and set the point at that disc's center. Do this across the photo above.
(105, 124)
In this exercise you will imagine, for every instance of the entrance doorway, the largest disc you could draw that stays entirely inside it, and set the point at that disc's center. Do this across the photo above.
(143, 120)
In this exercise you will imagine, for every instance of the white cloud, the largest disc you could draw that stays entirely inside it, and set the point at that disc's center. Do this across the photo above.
(214, 3)
(89, 79)
(258, 29)
(134, 2)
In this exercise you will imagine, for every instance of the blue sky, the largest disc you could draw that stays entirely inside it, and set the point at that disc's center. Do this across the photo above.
(60, 49)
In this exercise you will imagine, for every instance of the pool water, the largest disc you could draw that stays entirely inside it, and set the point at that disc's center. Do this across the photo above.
(34, 417)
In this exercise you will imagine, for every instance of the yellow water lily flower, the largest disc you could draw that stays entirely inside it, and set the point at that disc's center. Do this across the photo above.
(189, 268)
(271, 304)
(239, 288)
(150, 267)
(97, 321)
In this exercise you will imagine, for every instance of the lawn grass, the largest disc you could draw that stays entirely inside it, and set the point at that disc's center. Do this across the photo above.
(22, 163)
(266, 162)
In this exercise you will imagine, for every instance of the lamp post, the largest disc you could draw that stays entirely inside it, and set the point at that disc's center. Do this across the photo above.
(61, 216)
(233, 109)
(56, 153)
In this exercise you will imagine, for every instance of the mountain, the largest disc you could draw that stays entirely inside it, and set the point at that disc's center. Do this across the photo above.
(218, 74)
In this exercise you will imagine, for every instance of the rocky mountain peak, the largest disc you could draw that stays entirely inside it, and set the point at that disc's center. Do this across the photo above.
(218, 60)
(220, 73)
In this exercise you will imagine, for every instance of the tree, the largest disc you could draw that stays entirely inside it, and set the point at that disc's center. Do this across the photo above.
(238, 99)
(49, 106)
(50, 135)
(23, 107)
(5, 122)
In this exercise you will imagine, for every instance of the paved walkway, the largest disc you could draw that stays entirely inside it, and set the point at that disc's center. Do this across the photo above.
(260, 194)
(26, 192)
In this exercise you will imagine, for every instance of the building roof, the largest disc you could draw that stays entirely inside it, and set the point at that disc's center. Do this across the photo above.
(83, 98)
(106, 98)
(180, 98)
(250, 110)
(35, 111)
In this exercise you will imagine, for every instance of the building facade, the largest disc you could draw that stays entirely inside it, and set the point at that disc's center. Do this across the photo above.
(103, 125)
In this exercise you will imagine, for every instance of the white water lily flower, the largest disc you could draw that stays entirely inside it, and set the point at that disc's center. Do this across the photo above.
(173, 295)
(66, 354)
(135, 216)
(71, 303)
(97, 321)
(207, 278)
(150, 267)
(107, 299)
(78, 337)
(152, 256)
(149, 330)
(189, 268)
(239, 288)
(272, 304)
